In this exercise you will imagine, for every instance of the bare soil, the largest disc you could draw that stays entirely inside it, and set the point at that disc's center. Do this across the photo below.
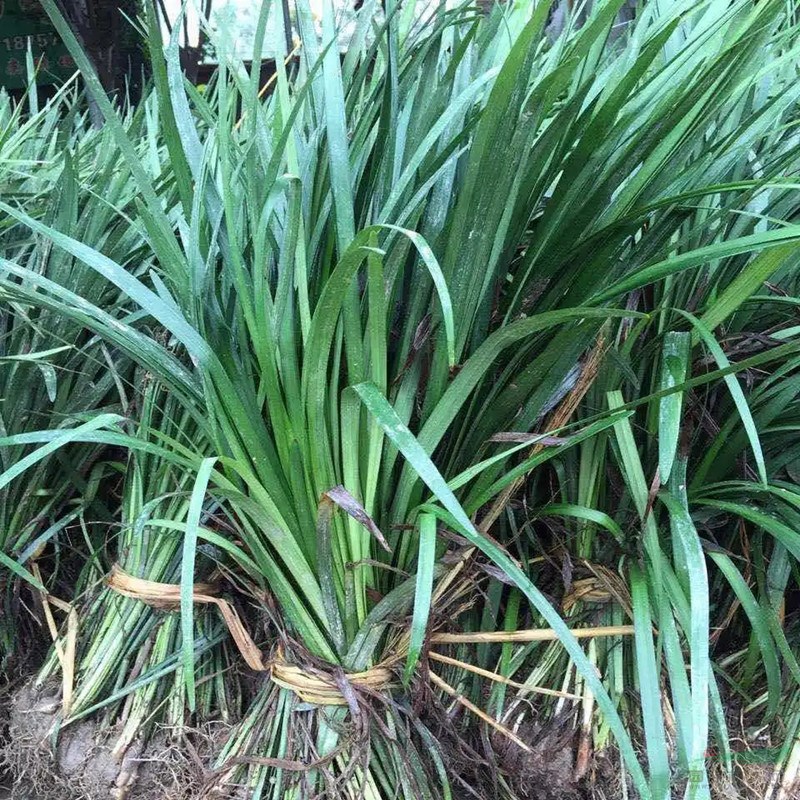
(78, 763)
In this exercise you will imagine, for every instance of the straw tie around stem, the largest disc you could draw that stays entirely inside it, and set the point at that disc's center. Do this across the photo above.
(167, 597)
(312, 685)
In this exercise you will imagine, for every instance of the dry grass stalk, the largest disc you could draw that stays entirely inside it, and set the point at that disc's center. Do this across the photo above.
(469, 705)
(65, 652)
(603, 587)
(559, 418)
(531, 635)
(493, 676)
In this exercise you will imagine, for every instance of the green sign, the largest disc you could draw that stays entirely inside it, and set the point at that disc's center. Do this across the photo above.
(23, 23)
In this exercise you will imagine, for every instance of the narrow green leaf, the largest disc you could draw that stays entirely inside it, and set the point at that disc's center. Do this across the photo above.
(736, 392)
(328, 574)
(674, 369)
(584, 513)
(649, 687)
(20, 571)
(422, 594)
(338, 151)
(677, 264)
(59, 439)
(758, 620)
(686, 537)
(187, 575)
(746, 283)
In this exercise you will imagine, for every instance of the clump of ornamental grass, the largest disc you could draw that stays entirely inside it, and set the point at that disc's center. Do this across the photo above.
(376, 301)
(52, 367)
(126, 666)
(698, 491)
